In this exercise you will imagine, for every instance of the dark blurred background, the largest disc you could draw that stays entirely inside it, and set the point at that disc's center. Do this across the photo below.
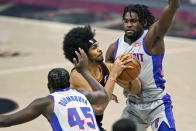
(100, 13)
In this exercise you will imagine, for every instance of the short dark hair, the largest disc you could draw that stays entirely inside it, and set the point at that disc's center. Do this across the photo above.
(75, 38)
(124, 125)
(58, 78)
(143, 13)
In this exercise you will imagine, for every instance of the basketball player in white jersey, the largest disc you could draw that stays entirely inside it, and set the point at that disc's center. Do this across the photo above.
(66, 109)
(145, 39)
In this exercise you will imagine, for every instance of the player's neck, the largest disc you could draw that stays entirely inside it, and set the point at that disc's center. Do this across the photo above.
(93, 68)
(131, 40)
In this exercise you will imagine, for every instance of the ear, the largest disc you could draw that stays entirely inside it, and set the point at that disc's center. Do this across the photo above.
(123, 21)
(49, 86)
(144, 23)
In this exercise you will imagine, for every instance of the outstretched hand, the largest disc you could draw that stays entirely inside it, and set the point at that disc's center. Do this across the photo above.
(81, 64)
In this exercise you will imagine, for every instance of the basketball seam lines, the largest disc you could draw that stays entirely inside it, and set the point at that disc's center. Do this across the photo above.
(129, 75)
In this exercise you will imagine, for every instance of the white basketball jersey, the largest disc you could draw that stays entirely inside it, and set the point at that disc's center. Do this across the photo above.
(151, 75)
(72, 112)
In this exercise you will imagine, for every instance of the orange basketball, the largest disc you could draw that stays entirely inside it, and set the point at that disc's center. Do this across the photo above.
(131, 74)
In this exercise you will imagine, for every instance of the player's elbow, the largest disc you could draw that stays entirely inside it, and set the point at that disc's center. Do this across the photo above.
(103, 98)
(99, 109)
(136, 91)
(135, 87)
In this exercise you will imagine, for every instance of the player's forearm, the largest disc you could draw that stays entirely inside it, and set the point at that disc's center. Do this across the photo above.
(163, 24)
(97, 97)
(16, 118)
(174, 4)
(5, 121)
(109, 87)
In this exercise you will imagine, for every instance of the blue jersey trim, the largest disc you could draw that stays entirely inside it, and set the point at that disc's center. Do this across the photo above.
(168, 110)
(144, 47)
(95, 119)
(51, 96)
(54, 122)
(81, 92)
(165, 127)
(61, 90)
(157, 71)
(157, 67)
(117, 43)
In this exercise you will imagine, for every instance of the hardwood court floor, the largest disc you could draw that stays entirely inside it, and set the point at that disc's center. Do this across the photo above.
(24, 78)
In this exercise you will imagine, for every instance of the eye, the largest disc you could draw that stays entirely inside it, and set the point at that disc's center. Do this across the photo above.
(134, 20)
(125, 20)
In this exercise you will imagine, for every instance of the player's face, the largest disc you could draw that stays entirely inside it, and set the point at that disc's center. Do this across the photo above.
(132, 27)
(95, 53)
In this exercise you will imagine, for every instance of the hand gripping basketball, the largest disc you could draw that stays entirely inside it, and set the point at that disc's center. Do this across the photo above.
(130, 74)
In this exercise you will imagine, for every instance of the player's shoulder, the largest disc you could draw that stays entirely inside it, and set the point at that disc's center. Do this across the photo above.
(75, 75)
(44, 100)
(110, 52)
(77, 81)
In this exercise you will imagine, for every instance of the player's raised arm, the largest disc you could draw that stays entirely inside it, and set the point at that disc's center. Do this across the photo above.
(166, 17)
(32, 111)
(158, 30)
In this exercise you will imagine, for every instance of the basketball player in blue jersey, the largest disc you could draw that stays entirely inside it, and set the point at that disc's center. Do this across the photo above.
(145, 39)
(83, 37)
(66, 109)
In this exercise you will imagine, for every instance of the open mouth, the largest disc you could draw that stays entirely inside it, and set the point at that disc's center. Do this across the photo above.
(130, 31)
